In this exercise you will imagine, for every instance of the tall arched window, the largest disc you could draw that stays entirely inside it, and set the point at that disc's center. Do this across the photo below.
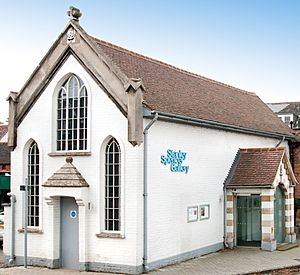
(33, 184)
(112, 186)
(72, 105)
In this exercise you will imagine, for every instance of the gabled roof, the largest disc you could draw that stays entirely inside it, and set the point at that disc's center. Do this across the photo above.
(172, 90)
(66, 176)
(257, 167)
(131, 79)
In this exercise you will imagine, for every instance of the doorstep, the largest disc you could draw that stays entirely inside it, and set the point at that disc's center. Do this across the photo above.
(286, 246)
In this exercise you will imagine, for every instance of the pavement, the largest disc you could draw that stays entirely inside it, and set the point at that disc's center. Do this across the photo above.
(241, 260)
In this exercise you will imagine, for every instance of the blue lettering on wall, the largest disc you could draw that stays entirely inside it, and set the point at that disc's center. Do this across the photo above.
(175, 160)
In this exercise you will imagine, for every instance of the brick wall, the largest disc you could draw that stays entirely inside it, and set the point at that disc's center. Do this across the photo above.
(4, 168)
(296, 167)
(296, 164)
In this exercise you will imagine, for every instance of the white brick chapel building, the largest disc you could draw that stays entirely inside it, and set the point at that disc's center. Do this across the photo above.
(133, 164)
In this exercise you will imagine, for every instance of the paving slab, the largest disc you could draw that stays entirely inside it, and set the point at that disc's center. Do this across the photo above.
(236, 261)
(45, 271)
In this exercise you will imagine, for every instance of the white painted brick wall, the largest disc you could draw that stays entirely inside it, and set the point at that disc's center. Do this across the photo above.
(210, 154)
(105, 119)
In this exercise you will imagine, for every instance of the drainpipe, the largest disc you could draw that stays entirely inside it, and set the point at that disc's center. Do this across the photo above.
(12, 223)
(145, 195)
(282, 140)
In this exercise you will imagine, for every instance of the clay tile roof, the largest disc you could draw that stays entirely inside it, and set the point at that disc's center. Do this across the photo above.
(255, 167)
(66, 176)
(3, 130)
(4, 153)
(172, 90)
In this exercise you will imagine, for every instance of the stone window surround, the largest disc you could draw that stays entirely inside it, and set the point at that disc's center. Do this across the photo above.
(69, 95)
(111, 235)
(69, 153)
(31, 230)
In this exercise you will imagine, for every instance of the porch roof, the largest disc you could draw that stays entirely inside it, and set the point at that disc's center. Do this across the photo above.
(257, 167)
(66, 176)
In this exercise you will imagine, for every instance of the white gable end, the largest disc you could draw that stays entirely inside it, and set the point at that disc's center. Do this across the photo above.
(104, 120)
(100, 108)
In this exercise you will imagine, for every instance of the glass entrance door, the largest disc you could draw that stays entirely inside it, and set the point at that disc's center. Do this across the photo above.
(279, 215)
(249, 220)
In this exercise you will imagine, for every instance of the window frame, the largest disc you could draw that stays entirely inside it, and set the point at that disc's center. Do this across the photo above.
(112, 175)
(101, 217)
(71, 134)
(36, 184)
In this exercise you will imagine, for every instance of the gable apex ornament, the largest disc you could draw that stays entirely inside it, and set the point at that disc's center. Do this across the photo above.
(71, 35)
(74, 13)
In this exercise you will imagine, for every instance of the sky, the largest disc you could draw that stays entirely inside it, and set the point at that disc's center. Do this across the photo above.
(250, 44)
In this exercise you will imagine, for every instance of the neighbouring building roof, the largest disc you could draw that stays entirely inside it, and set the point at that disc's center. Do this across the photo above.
(257, 167)
(172, 90)
(66, 176)
(4, 153)
(285, 108)
(288, 110)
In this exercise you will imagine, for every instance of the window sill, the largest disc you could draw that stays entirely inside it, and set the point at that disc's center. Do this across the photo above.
(65, 154)
(110, 235)
(31, 230)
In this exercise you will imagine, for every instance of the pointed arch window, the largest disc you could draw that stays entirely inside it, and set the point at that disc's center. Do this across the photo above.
(112, 186)
(33, 184)
(72, 104)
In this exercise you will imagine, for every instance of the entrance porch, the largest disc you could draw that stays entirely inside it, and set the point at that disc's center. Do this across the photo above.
(260, 199)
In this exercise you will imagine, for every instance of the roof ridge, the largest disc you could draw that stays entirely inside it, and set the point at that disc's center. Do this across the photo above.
(264, 149)
(116, 47)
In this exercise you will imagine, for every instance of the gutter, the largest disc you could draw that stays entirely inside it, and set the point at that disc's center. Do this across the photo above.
(213, 124)
(145, 194)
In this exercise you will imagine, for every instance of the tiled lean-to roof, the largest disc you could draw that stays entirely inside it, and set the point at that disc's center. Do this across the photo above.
(255, 167)
(4, 153)
(172, 90)
(3, 130)
(4, 149)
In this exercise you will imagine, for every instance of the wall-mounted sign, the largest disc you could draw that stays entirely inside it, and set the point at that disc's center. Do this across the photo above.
(192, 214)
(175, 159)
(73, 214)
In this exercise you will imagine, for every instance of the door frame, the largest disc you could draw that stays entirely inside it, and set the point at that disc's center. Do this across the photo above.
(235, 217)
(61, 227)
